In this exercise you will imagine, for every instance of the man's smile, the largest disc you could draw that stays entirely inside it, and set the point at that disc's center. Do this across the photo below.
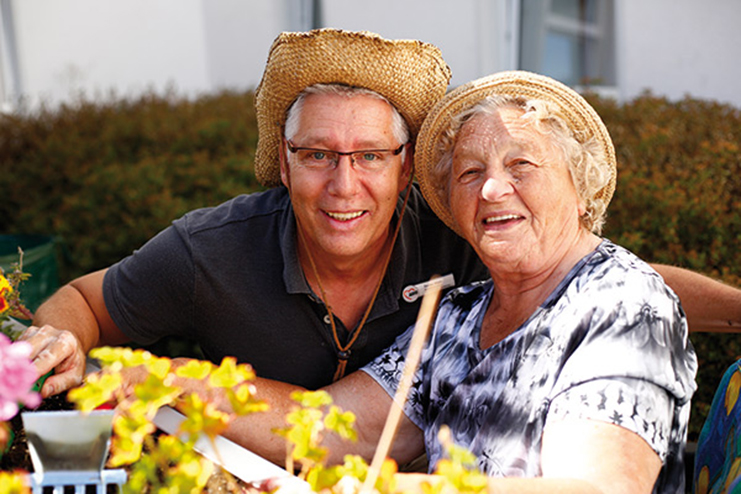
(344, 216)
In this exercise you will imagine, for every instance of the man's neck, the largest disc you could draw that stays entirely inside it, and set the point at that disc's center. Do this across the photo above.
(347, 285)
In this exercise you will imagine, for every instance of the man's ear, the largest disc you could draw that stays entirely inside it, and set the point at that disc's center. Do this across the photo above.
(407, 167)
(283, 160)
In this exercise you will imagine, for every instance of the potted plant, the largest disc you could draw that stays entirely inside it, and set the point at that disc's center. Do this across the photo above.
(18, 375)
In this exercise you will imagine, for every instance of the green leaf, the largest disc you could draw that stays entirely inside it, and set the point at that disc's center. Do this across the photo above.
(312, 399)
(97, 390)
(341, 423)
(229, 374)
(195, 369)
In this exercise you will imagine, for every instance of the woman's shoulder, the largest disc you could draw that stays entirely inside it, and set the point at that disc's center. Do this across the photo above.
(618, 268)
(459, 303)
(612, 279)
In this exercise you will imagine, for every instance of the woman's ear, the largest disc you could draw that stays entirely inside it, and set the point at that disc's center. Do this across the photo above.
(581, 207)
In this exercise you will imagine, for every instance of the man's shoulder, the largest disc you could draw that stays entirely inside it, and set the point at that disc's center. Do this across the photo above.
(269, 205)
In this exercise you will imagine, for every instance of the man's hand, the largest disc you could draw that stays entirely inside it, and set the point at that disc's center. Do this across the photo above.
(59, 350)
(80, 308)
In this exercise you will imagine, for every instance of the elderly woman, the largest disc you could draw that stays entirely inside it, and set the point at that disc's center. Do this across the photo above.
(570, 369)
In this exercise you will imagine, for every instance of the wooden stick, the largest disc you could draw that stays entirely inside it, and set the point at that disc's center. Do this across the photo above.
(422, 328)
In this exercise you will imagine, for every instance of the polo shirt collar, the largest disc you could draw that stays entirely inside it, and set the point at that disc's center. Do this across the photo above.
(293, 275)
(387, 300)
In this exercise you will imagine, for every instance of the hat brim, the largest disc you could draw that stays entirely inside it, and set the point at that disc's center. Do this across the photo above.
(581, 118)
(411, 74)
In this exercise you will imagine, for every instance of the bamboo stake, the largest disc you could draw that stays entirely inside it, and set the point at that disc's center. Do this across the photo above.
(421, 330)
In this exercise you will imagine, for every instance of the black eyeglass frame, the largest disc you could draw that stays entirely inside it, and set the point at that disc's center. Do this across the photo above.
(394, 152)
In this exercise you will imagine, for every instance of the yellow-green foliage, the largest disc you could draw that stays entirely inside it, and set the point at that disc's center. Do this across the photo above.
(678, 197)
(164, 463)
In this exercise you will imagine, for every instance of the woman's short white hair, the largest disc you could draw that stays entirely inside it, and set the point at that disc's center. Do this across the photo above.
(587, 162)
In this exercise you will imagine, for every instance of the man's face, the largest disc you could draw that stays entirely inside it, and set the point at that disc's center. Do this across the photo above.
(344, 212)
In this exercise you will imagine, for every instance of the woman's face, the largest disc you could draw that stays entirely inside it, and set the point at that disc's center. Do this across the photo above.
(511, 193)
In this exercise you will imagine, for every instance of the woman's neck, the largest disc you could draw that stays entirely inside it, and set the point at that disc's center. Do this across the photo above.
(518, 294)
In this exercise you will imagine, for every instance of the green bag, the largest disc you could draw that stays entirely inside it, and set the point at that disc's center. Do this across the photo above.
(39, 260)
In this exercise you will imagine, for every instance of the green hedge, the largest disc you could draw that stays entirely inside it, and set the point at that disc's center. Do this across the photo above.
(678, 201)
(106, 176)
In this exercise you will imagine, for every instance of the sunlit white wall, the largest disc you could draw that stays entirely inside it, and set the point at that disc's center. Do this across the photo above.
(124, 47)
(475, 36)
(680, 47)
(63, 47)
(69, 46)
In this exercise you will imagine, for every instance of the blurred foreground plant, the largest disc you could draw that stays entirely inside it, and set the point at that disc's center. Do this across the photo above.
(164, 463)
(17, 373)
(11, 304)
(307, 425)
(169, 464)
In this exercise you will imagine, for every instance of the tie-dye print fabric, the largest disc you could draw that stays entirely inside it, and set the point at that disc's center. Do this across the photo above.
(718, 456)
(610, 344)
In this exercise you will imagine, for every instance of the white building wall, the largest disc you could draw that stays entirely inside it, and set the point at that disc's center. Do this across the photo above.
(193, 46)
(673, 47)
(680, 47)
(238, 35)
(97, 46)
(472, 34)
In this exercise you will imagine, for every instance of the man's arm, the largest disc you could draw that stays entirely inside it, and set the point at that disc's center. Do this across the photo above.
(711, 306)
(66, 327)
(357, 393)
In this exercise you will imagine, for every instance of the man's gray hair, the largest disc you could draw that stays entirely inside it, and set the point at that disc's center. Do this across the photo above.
(399, 127)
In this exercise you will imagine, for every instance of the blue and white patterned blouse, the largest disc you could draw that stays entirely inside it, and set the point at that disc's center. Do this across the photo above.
(610, 343)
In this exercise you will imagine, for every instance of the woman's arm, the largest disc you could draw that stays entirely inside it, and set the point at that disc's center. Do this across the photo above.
(609, 457)
(711, 306)
(625, 463)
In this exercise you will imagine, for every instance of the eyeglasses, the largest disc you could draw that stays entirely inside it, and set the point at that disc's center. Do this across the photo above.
(370, 160)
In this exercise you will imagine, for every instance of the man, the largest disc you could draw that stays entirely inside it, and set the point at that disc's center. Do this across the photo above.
(310, 280)
(239, 280)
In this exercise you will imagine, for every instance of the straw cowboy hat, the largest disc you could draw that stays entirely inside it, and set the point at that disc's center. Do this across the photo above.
(411, 74)
(579, 115)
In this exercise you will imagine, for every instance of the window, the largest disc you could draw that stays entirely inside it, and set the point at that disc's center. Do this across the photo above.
(569, 40)
(9, 72)
(304, 15)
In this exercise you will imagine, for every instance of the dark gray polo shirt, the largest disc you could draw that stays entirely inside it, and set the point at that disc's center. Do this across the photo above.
(229, 278)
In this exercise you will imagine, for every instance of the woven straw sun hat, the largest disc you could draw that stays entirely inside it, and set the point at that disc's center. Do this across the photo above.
(411, 74)
(583, 120)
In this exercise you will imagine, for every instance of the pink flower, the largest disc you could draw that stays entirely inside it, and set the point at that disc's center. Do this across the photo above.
(17, 377)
